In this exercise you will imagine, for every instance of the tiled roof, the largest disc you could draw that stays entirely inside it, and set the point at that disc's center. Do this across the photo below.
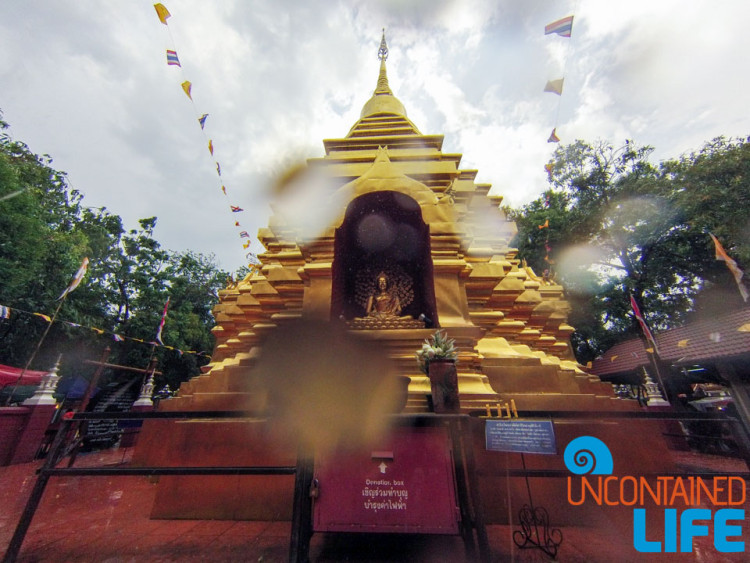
(721, 337)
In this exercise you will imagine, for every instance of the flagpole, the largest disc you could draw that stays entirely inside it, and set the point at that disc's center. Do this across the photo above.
(73, 284)
(36, 350)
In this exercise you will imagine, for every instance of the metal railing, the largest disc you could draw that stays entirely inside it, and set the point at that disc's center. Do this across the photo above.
(64, 442)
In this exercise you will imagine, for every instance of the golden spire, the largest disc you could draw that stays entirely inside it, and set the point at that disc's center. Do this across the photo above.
(379, 103)
(383, 51)
(382, 87)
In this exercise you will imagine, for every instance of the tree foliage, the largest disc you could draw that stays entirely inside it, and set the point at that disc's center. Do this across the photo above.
(619, 226)
(46, 231)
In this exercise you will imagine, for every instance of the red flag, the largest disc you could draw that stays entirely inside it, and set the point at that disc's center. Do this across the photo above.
(644, 327)
(161, 324)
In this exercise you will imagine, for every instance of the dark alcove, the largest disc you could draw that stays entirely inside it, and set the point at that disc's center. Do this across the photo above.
(383, 232)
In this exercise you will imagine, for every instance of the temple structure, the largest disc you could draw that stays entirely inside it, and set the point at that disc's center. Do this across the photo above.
(407, 222)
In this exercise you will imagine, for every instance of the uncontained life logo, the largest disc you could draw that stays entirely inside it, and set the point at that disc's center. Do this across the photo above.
(682, 500)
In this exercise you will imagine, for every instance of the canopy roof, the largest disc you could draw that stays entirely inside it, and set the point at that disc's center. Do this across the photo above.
(9, 376)
(695, 343)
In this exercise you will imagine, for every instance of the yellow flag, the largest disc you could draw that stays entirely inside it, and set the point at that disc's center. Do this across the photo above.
(721, 254)
(162, 12)
(211, 147)
(683, 343)
(45, 317)
(187, 87)
(554, 86)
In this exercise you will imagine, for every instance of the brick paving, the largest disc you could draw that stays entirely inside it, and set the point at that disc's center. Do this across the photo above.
(106, 519)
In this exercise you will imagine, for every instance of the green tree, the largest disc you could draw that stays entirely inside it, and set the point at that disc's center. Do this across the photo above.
(46, 231)
(615, 230)
(712, 188)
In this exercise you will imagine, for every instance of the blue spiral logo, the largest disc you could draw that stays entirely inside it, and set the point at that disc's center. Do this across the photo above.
(587, 454)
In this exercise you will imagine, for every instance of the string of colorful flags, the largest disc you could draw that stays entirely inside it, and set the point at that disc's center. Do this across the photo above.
(5, 313)
(563, 28)
(187, 87)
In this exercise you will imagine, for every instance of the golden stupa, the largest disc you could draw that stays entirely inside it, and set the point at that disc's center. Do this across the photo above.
(399, 206)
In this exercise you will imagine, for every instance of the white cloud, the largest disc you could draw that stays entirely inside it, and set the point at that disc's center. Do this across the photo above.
(87, 82)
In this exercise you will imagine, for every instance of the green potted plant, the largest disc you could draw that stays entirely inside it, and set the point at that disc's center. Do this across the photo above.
(437, 360)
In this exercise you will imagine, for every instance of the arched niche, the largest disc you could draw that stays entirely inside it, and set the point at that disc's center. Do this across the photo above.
(382, 231)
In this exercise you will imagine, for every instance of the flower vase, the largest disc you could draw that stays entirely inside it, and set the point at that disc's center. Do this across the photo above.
(444, 385)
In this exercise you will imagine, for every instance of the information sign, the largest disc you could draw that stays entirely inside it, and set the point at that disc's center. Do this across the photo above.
(520, 436)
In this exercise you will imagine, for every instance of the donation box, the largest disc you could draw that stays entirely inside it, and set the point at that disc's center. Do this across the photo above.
(407, 485)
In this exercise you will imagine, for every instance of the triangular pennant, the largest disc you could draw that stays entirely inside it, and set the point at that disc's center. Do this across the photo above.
(554, 86)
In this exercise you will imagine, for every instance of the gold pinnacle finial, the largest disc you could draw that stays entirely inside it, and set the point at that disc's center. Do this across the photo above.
(383, 51)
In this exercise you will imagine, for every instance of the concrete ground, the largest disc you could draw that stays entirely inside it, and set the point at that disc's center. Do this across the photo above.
(106, 519)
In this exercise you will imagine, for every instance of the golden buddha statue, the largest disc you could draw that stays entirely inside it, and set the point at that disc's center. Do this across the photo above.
(384, 303)
(383, 309)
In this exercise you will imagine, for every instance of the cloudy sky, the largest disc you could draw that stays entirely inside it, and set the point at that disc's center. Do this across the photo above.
(87, 83)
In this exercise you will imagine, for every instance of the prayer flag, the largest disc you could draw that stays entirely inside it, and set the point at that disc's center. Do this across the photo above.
(218, 169)
(224, 189)
(236, 223)
(211, 147)
(236, 209)
(76, 279)
(553, 138)
(118, 338)
(561, 27)
(644, 327)
(172, 59)
(45, 317)
(187, 87)
(244, 234)
(554, 86)
(161, 324)
(548, 168)
(202, 120)
(162, 12)
(4, 312)
(545, 226)
(246, 245)
(721, 254)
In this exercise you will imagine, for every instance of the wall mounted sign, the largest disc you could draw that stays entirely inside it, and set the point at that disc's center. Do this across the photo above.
(520, 436)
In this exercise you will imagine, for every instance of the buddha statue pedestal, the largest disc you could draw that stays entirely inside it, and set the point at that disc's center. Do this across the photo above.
(384, 323)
